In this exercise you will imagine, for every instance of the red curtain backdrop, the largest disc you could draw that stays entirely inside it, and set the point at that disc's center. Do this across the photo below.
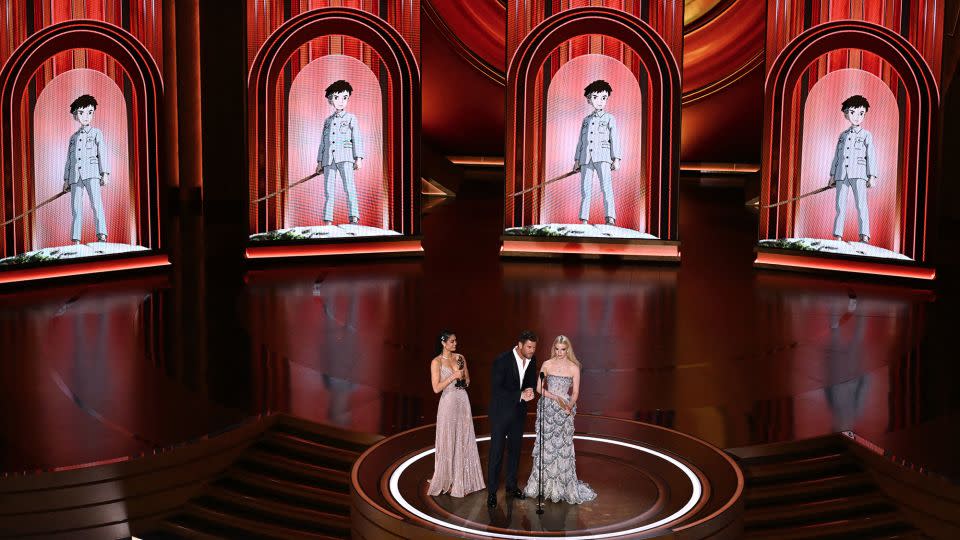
(308, 108)
(723, 54)
(566, 108)
(822, 124)
(919, 21)
(142, 18)
(53, 125)
(265, 16)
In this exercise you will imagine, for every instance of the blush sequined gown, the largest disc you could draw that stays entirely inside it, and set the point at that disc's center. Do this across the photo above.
(560, 481)
(457, 462)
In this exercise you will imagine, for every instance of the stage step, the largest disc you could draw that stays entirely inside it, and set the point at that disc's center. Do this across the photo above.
(292, 483)
(815, 489)
(834, 508)
(876, 526)
(305, 449)
(245, 525)
(257, 461)
(345, 440)
(291, 514)
(285, 490)
(800, 469)
(809, 490)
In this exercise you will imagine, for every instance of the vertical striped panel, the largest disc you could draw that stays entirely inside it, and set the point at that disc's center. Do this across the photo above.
(923, 28)
(265, 16)
(665, 17)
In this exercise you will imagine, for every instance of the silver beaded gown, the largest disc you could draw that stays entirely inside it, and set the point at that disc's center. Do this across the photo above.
(560, 481)
(457, 462)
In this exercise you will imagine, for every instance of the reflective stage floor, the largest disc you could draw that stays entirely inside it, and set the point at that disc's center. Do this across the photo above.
(103, 369)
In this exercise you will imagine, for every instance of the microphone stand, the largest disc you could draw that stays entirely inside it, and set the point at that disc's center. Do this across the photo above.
(540, 422)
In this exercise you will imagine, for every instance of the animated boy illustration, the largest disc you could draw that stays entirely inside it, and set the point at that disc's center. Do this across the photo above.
(87, 168)
(598, 151)
(341, 151)
(854, 167)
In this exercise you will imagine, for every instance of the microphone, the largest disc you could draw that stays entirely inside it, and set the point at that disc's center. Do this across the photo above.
(542, 376)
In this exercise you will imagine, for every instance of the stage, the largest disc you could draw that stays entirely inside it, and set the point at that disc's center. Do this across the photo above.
(835, 247)
(322, 232)
(71, 252)
(651, 482)
(578, 230)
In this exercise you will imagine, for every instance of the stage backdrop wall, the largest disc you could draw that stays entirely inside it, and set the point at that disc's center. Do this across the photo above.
(723, 43)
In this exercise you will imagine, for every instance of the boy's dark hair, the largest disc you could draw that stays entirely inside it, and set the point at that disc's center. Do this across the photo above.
(339, 86)
(853, 102)
(597, 86)
(526, 336)
(444, 336)
(83, 101)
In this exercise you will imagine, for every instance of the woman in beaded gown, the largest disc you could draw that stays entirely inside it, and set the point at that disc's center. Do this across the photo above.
(456, 468)
(562, 376)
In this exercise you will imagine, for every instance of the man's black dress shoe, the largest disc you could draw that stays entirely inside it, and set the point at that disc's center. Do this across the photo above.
(516, 493)
(492, 501)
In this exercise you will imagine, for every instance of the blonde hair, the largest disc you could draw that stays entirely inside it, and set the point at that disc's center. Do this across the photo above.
(564, 340)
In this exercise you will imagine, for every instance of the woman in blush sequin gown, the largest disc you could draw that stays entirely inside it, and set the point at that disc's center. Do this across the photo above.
(456, 468)
(561, 391)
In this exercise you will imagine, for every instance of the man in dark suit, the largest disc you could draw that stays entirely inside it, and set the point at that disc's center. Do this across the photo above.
(513, 379)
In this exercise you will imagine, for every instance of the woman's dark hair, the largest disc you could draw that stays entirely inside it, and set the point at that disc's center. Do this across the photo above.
(444, 336)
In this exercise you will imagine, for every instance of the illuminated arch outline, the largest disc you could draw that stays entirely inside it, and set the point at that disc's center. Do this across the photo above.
(147, 83)
(918, 133)
(401, 64)
(661, 139)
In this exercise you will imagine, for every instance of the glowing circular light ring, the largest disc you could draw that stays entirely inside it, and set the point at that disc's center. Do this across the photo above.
(697, 492)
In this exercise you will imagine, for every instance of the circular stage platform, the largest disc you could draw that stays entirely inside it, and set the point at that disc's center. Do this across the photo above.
(651, 482)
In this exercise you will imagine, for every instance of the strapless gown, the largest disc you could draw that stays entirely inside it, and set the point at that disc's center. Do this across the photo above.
(560, 483)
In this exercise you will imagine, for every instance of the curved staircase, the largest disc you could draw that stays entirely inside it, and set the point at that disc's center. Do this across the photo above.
(815, 488)
(294, 482)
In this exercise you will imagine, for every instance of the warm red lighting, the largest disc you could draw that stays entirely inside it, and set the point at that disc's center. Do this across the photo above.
(639, 251)
(707, 167)
(83, 268)
(476, 161)
(777, 260)
(366, 248)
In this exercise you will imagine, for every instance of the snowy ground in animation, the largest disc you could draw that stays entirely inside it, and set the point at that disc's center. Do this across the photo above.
(321, 232)
(578, 230)
(60, 253)
(834, 246)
